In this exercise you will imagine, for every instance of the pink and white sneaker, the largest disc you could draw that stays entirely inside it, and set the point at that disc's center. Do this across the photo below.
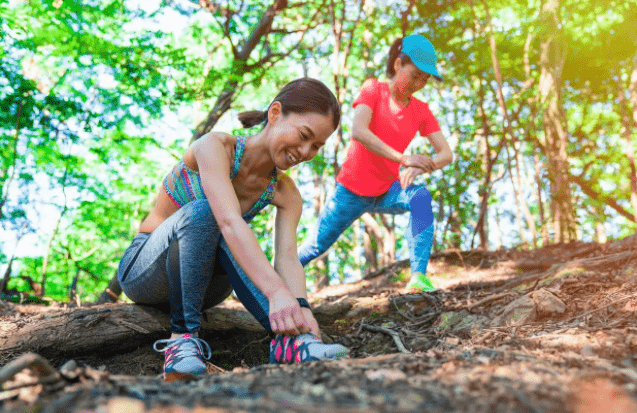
(302, 348)
(183, 357)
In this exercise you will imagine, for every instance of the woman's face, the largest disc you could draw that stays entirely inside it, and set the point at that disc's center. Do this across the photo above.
(297, 137)
(409, 79)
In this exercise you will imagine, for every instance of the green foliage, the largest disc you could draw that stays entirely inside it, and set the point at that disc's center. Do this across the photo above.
(82, 83)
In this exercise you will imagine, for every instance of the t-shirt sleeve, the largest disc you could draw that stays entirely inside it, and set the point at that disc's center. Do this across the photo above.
(429, 123)
(368, 94)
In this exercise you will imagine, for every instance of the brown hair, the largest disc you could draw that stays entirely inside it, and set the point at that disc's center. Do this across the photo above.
(394, 53)
(302, 95)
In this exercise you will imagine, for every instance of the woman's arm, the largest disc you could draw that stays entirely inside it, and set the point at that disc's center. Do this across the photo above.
(443, 156)
(213, 161)
(361, 133)
(286, 259)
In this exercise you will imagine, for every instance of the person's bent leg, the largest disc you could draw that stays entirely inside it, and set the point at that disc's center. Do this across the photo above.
(340, 211)
(174, 265)
(416, 200)
(283, 349)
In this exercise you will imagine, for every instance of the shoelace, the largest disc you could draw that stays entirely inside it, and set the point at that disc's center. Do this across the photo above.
(297, 350)
(185, 346)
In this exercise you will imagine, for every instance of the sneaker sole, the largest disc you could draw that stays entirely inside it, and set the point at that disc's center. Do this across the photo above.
(179, 376)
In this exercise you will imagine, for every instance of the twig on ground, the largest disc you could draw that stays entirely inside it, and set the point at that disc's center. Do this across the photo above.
(490, 298)
(38, 364)
(393, 300)
(360, 327)
(600, 308)
(392, 333)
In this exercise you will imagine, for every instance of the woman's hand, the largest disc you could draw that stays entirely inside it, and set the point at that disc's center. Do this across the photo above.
(419, 161)
(311, 321)
(286, 316)
(408, 175)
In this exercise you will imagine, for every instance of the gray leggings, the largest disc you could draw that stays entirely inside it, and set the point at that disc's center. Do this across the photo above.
(186, 262)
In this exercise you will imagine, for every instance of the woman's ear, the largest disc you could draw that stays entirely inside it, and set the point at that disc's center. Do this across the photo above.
(397, 64)
(274, 111)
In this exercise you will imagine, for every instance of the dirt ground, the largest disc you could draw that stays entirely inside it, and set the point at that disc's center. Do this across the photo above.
(548, 330)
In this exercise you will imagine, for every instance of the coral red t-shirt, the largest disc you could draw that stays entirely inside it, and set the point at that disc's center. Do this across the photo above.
(366, 173)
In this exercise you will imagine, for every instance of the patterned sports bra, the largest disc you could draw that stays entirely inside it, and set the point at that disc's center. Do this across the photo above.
(187, 184)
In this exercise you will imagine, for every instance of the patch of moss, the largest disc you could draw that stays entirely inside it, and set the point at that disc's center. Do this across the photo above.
(565, 273)
(401, 276)
(630, 271)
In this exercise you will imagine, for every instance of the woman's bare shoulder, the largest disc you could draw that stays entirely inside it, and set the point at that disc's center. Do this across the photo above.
(225, 139)
(207, 142)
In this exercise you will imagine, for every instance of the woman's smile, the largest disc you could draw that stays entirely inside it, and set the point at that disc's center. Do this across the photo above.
(291, 158)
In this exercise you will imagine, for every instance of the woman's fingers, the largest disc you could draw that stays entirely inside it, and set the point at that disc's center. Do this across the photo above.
(289, 323)
(290, 327)
(420, 161)
(300, 322)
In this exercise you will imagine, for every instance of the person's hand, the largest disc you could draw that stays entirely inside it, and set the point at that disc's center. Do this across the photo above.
(419, 161)
(408, 175)
(311, 321)
(286, 316)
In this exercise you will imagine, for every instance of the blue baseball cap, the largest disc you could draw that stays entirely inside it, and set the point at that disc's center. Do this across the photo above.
(422, 54)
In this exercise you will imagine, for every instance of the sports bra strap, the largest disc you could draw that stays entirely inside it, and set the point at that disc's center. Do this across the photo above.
(238, 154)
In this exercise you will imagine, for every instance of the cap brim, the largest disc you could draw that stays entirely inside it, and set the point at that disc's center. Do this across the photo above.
(429, 69)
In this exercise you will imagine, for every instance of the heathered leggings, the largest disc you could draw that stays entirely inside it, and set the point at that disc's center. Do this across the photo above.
(344, 207)
(186, 262)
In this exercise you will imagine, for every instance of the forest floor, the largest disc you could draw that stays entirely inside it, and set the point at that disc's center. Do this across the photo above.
(546, 330)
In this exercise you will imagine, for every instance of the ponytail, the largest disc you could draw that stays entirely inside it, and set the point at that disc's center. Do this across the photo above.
(395, 51)
(303, 95)
(253, 117)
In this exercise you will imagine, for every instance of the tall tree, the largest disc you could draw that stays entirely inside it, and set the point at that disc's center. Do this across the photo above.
(552, 57)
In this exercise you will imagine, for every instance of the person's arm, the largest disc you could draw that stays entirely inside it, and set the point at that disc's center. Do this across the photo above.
(443, 156)
(361, 133)
(214, 166)
(289, 206)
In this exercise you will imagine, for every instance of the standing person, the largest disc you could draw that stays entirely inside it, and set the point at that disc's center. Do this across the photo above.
(386, 119)
(196, 245)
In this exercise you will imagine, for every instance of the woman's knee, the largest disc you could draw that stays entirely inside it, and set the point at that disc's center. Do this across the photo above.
(196, 215)
(421, 210)
(421, 198)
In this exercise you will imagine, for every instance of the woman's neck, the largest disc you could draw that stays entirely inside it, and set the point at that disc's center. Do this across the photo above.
(256, 154)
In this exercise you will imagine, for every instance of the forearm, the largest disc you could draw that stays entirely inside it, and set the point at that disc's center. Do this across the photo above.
(292, 273)
(246, 250)
(442, 159)
(374, 144)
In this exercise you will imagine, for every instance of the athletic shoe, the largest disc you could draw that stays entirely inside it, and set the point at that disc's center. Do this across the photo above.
(302, 348)
(421, 282)
(184, 358)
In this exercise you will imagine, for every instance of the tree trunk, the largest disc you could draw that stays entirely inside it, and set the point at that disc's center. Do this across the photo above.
(5, 178)
(238, 70)
(389, 239)
(376, 234)
(628, 124)
(552, 58)
(5, 279)
(600, 231)
(538, 193)
(112, 292)
(530, 221)
(633, 89)
(498, 229)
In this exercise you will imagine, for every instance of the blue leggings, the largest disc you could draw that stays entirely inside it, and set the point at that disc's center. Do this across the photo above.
(344, 207)
(186, 262)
